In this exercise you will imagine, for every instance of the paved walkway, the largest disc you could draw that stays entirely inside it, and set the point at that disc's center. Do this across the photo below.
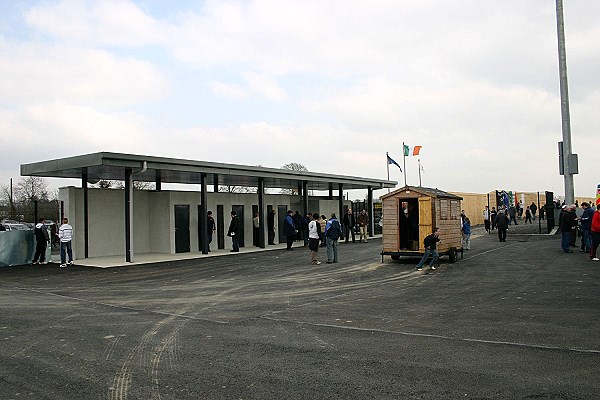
(514, 320)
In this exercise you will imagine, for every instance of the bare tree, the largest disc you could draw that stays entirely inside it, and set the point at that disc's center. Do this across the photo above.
(31, 188)
(137, 185)
(293, 167)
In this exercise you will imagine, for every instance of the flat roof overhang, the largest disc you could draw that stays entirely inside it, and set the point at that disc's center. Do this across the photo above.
(111, 166)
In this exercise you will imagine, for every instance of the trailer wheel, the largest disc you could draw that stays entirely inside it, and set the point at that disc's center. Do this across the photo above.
(452, 254)
(395, 257)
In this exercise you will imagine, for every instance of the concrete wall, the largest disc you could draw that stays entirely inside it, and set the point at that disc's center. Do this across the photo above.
(154, 217)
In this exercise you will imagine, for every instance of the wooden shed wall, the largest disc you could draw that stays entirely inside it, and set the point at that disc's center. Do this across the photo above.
(391, 240)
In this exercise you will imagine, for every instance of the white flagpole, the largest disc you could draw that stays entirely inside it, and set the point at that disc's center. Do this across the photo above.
(419, 172)
(404, 162)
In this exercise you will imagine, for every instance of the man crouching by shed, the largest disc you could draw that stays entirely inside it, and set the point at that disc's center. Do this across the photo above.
(430, 243)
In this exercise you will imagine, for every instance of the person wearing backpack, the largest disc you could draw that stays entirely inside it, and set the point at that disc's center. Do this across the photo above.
(333, 230)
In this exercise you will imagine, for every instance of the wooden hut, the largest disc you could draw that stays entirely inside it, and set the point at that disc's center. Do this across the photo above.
(411, 213)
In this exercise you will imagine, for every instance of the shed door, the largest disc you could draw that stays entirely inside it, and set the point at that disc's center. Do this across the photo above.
(425, 219)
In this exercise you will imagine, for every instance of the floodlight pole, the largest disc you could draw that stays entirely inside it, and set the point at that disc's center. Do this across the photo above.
(564, 107)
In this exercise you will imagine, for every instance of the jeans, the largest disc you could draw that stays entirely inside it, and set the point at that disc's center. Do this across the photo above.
(429, 251)
(235, 243)
(466, 241)
(512, 219)
(65, 247)
(565, 241)
(332, 250)
(586, 239)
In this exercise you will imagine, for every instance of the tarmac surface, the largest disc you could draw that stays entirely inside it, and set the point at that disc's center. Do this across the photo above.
(514, 320)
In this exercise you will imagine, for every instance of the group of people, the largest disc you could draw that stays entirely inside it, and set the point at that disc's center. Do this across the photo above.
(315, 230)
(323, 232)
(588, 224)
(42, 238)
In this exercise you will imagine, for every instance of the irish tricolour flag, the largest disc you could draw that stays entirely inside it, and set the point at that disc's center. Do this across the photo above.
(411, 151)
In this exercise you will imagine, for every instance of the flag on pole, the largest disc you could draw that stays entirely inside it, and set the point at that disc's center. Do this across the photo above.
(414, 150)
(391, 161)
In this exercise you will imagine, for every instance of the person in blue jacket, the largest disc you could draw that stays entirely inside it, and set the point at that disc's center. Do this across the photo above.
(466, 233)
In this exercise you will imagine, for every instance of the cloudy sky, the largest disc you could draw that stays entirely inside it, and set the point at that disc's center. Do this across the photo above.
(332, 85)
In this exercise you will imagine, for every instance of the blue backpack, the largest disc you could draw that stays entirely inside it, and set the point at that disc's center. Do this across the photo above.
(334, 230)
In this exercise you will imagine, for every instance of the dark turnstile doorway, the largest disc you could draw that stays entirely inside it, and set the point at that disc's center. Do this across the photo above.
(281, 214)
(182, 228)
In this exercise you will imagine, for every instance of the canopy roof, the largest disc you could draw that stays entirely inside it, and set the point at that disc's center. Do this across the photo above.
(111, 166)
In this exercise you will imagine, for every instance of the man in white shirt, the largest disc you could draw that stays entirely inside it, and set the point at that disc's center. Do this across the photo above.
(65, 234)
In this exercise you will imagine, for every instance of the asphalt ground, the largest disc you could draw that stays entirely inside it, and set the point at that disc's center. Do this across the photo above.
(514, 320)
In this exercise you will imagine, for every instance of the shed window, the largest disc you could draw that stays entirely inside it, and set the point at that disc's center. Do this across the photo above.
(454, 212)
(443, 209)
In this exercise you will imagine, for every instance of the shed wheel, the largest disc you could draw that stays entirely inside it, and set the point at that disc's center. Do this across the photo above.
(452, 255)
(395, 257)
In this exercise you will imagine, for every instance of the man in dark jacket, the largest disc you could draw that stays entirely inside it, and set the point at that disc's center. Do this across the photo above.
(289, 229)
(41, 239)
(211, 227)
(567, 223)
(430, 243)
(501, 221)
(271, 226)
(586, 227)
(234, 231)
(349, 225)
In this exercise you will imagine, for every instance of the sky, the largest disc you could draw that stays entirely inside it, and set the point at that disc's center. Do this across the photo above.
(332, 85)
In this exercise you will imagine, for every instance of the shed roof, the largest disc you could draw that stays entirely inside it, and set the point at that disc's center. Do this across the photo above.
(111, 166)
(431, 192)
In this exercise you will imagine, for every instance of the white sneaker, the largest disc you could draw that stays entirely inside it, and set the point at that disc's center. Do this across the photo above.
(70, 263)
(432, 267)
(595, 259)
(63, 265)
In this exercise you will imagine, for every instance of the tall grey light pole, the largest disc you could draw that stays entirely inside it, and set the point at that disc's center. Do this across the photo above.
(568, 160)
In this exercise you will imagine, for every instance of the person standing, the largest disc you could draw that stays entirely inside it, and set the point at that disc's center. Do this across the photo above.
(466, 233)
(234, 232)
(349, 225)
(512, 212)
(430, 243)
(323, 221)
(271, 227)
(486, 218)
(585, 222)
(41, 240)
(567, 222)
(314, 236)
(289, 229)
(211, 227)
(533, 208)
(595, 229)
(528, 215)
(65, 234)
(542, 213)
(255, 230)
(298, 225)
(333, 231)
(305, 221)
(363, 221)
(501, 223)
(493, 215)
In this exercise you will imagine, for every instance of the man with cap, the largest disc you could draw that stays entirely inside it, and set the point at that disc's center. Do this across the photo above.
(289, 229)
(234, 231)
